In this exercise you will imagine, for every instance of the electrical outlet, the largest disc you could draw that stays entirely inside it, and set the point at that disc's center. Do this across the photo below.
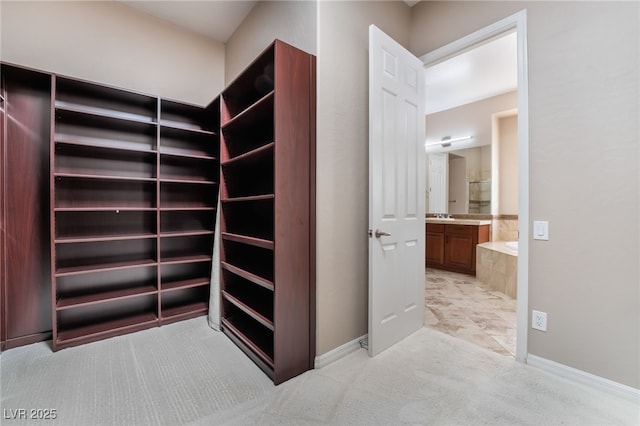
(539, 320)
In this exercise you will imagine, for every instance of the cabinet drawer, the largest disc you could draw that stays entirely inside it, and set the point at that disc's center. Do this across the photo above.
(460, 229)
(435, 227)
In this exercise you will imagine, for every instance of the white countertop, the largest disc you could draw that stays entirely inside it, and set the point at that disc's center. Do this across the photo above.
(458, 221)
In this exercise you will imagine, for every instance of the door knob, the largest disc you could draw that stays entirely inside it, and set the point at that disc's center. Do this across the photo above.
(380, 233)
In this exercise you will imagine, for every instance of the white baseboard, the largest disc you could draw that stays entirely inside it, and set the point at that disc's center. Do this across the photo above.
(337, 353)
(591, 380)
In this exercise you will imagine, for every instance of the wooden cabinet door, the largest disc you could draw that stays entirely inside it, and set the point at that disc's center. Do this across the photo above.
(459, 252)
(434, 248)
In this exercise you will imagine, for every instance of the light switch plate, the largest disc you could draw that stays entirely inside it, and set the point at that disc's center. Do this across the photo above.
(540, 230)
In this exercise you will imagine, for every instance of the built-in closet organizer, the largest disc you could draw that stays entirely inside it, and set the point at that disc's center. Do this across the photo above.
(267, 217)
(25, 281)
(133, 197)
(109, 204)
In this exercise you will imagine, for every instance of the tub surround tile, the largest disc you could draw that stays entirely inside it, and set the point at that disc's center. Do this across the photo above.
(497, 267)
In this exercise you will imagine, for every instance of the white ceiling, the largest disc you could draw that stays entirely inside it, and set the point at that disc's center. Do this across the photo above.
(485, 71)
(214, 19)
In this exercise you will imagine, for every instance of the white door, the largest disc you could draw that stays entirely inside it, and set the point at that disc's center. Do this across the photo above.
(458, 187)
(396, 192)
(438, 171)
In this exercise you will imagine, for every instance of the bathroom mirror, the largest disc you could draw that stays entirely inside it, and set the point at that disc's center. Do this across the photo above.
(459, 181)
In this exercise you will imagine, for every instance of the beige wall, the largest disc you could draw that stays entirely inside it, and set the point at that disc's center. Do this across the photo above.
(342, 158)
(473, 119)
(584, 162)
(294, 22)
(508, 165)
(110, 43)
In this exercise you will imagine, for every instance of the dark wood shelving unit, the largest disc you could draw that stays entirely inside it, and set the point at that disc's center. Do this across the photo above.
(267, 222)
(132, 183)
(133, 196)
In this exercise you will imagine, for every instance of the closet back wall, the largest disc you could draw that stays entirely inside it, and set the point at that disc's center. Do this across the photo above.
(111, 43)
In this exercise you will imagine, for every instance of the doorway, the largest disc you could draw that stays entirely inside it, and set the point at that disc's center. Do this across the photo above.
(515, 24)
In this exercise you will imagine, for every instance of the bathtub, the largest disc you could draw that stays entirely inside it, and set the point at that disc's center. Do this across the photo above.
(497, 266)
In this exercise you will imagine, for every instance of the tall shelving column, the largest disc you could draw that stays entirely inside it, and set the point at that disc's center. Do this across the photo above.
(267, 229)
(189, 164)
(103, 204)
(25, 275)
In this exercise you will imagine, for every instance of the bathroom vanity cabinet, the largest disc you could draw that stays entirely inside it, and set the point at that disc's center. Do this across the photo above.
(452, 246)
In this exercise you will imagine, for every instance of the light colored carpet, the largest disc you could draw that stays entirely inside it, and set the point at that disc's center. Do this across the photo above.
(186, 373)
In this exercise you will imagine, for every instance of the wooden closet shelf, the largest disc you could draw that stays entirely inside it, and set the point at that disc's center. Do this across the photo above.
(188, 181)
(105, 209)
(256, 279)
(263, 151)
(249, 198)
(257, 314)
(245, 239)
(85, 269)
(105, 296)
(185, 127)
(185, 311)
(266, 102)
(187, 209)
(103, 112)
(187, 233)
(185, 259)
(103, 144)
(180, 285)
(95, 142)
(105, 329)
(104, 177)
(96, 238)
(164, 151)
(260, 344)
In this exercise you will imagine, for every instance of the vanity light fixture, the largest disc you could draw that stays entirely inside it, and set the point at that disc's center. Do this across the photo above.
(447, 141)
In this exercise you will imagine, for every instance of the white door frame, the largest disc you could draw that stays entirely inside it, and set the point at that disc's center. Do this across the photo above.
(517, 21)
